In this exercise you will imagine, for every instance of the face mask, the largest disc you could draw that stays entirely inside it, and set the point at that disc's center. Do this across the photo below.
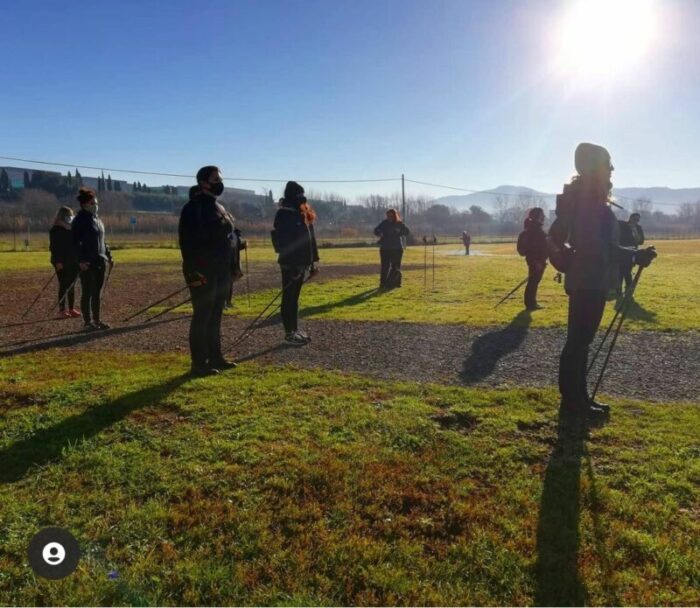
(216, 189)
(68, 219)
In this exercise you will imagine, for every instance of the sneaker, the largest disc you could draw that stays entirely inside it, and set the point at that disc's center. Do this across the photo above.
(295, 339)
(89, 326)
(202, 372)
(101, 325)
(598, 407)
(222, 364)
(74, 312)
(63, 314)
(302, 334)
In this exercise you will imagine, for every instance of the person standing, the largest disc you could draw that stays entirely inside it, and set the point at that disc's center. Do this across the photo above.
(391, 232)
(467, 241)
(93, 257)
(632, 237)
(65, 260)
(295, 243)
(532, 244)
(583, 242)
(205, 235)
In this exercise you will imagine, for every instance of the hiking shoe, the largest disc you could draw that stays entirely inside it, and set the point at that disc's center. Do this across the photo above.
(295, 339)
(597, 405)
(89, 326)
(201, 372)
(535, 307)
(74, 312)
(302, 334)
(63, 314)
(101, 325)
(222, 364)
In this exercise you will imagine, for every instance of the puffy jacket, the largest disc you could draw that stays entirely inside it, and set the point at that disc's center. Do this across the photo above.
(532, 242)
(62, 246)
(206, 236)
(390, 234)
(89, 238)
(295, 239)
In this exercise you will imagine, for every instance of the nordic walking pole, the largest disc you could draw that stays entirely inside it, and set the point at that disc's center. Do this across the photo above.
(247, 276)
(26, 312)
(425, 264)
(511, 292)
(434, 241)
(612, 346)
(167, 310)
(104, 287)
(136, 314)
(629, 292)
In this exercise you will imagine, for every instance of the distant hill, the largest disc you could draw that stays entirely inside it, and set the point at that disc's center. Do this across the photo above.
(487, 199)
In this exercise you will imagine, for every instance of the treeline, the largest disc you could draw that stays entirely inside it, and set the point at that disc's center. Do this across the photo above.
(157, 210)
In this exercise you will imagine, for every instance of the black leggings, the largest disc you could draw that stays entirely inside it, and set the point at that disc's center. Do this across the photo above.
(585, 313)
(391, 260)
(91, 281)
(66, 277)
(535, 270)
(291, 289)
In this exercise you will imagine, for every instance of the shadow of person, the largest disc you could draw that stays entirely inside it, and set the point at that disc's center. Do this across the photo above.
(636, 311)
(557, 577)
(75, 338)
(353, 300)
(490, 347)
(48, 444)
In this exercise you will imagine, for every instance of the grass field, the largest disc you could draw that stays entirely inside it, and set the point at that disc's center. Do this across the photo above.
(466, 288)
(289, 486)
(281, 486)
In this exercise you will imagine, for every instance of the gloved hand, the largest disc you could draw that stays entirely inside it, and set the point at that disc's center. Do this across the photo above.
(84, 266)
(644, 257)
(314, 270)
(242, 244)
(196, 279)
(59, 266)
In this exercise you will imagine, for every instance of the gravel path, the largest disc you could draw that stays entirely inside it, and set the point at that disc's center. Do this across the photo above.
(652, 366)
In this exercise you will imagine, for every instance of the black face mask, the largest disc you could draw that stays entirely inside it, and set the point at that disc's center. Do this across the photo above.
(216, 189)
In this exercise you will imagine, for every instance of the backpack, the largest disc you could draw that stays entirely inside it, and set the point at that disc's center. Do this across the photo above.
(523, 245)
(560, 253)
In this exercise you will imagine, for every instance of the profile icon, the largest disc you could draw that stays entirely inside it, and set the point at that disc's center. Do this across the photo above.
(53, 553)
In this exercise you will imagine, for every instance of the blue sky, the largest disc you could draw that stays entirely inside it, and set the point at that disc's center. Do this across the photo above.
(448, 91)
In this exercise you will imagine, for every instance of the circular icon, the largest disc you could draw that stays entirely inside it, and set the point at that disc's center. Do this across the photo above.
(53, 553)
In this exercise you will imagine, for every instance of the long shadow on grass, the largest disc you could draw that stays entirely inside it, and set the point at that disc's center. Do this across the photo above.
(558, 581)
(48, 444)
(489, 348)
(353, 300)
(75, 338)
(637, 312)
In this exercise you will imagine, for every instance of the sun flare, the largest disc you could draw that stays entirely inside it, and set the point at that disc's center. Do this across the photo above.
(598, 39)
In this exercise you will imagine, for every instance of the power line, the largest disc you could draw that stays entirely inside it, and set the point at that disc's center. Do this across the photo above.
(310, 181)
(236, 179)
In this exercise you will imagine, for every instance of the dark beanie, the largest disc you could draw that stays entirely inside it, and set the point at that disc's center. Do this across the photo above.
(292, 190)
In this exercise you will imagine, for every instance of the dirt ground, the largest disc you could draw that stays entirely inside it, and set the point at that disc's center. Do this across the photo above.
(653, 366)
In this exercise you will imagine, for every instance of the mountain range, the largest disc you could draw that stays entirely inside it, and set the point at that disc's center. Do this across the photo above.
(668, 199)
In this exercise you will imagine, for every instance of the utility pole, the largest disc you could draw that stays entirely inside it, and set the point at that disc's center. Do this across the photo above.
(403, 199)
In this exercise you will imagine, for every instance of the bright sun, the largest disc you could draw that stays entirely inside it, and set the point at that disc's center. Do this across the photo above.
(600, 39)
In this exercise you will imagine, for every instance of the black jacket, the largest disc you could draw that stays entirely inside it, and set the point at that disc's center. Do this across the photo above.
(62, 246)
(296, 241)
(390, 234)
(89, 238)
(630, 236)
(206, 234)
(532, 243)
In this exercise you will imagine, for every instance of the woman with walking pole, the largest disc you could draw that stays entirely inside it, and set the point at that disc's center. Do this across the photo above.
(583, 242)
(64, 259)
(391, 232)
(295, 243)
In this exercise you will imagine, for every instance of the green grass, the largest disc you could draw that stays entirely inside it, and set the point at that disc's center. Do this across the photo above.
(466, 288)
(284, 486)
